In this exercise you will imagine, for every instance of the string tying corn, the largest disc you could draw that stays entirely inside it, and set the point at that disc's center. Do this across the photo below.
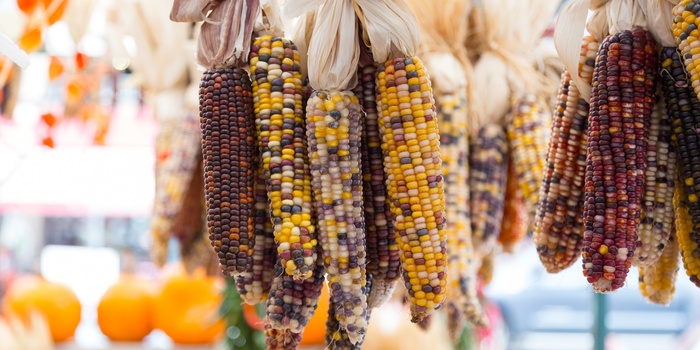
(279, 119)
(528, 136)
(684, 109)
(621, 103)
(228, 149)
(333, 130)
(558, 224)
(657, 212)
(411, 146)
(254, 284)
(383, 262)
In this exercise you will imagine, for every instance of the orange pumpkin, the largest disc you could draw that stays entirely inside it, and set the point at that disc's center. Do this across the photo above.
(315, 331)
(55, 68)
(187, 308)
(125, 312)
(56, 302)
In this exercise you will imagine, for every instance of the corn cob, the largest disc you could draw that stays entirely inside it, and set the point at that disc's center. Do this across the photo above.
(528, 138)
(454, 145)
(622, 99)
(336, 337)
(559, 220)
(277, 339)
(515, 218)
(411, 146)
(383, 262)
(684, 109)
(333, 131)
(488, 162)
(485, 271)
(685, 30)
(228, 149)
(657, 281)
(657, 211)
(291, 302)
(254, 284)
(279, 119)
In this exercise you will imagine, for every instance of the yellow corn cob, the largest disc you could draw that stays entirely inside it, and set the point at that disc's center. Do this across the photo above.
(411, 145)
(454, 147)
(487, 265)
(558, 226)
(279, 119)
(685, 233)
(656, 222)
(685, 30)
(657, 282)
(333, 131)
(528, 137)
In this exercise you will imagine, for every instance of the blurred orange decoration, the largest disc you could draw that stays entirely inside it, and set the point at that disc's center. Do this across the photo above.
(187, 308)
(47, 141)
(125, 312)
(48, 119)
(55, 68)
(30, 40)
(81, 61)
(41, 14)
(56, 302)
(315, 331)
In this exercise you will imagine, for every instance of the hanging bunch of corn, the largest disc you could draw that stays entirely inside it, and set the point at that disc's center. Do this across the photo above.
(383, 262)
(558, 224)
(683, 108)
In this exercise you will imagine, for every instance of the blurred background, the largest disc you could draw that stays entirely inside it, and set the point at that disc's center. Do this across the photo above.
(79, 145)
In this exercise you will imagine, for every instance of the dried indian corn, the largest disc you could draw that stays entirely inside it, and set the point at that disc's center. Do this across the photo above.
(254, 284)
(277, 339)
(336, 336)
(291, 302)
(333, 131)
(228, 149)
(657, 281)
(515, 218)
(558, 233)
(279, 120)
(383, 262)
(488, 163)
(657, 209)
(411, 146)
(528, 137)
(683, 107)
(485, 271)
(685, 30)
(622, 99)
(451, 111)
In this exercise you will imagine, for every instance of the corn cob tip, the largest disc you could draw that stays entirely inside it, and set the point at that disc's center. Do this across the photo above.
(380, 293)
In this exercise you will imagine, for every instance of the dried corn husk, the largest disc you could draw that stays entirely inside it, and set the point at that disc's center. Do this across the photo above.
(10, 50)
(191, 10)
(333, 51)
(226, 34)
(390, 28)
(301, 36)
(77, 17)
(268, 20)
(16, 335)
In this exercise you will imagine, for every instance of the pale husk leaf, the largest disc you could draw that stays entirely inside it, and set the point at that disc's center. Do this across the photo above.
(191, 10)
(626, 15)
(226, 34)
(660, 21)
(77, 17)
(269, 19)
(301, 36)
(492, 93)
(568, 35)
(391, 28)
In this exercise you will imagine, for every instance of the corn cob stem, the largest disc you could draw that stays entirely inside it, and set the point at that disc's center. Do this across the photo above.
(657, 211)
(254, 284)
(333, 132)
(279, 119)
(291, 302)
(558, 224)
(684, 109)
(488, 162)
(528, 138)
(411, 145)
(383, 262)
(228, 149)
(621, 103)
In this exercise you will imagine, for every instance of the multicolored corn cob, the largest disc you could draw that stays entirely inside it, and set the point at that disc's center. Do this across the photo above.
(488, 163)
(411, 145)
(657, 209)
(336, 337)
(683, 107)
(657, 282)
(291, 302)
(383, 262)
(558, 225)
(451, 111)
(622, 99)
(278, 339)
(528, 138)
(333, 131)
(685, 30)
(229, 152)
(279, 120)
(254, 284)
(515, 218)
